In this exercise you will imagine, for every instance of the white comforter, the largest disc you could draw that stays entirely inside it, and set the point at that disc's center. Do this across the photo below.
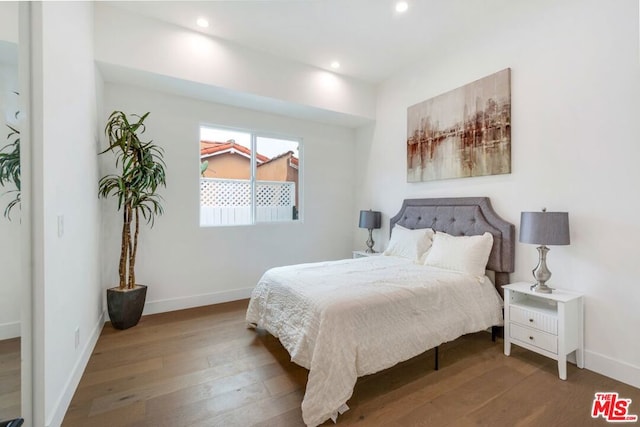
(349, 318)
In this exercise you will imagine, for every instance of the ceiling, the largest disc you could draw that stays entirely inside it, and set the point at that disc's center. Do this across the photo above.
(368, 37)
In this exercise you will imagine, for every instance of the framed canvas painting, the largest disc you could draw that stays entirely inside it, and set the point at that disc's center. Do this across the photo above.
(462, 133)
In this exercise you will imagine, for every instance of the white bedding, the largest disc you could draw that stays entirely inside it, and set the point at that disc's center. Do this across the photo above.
(345, 319)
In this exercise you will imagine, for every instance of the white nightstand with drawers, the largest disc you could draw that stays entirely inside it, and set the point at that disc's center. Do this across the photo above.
(549, 324)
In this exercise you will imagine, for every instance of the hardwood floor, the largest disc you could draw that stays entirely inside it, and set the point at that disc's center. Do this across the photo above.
(9, 379)
(203, 367)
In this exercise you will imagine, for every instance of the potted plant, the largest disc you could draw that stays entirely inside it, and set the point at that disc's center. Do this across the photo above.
(10, 168)
(141, 170)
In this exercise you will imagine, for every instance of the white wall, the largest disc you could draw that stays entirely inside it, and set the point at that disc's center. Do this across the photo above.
(9, 21)
(66, 285)
(575, 124)
(185, 265)
(10, 281)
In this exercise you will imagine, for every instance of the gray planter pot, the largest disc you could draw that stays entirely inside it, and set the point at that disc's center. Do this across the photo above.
(125, 306)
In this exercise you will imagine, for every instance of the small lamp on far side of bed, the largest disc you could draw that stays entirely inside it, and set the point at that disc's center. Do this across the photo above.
(544, 228)
(370, 220)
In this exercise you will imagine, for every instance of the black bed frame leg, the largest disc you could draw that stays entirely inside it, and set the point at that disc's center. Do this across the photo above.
(494, 332)
(436, 365)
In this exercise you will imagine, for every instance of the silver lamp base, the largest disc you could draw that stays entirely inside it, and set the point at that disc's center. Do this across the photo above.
(370, 243)
(541, 273)
(541, 288)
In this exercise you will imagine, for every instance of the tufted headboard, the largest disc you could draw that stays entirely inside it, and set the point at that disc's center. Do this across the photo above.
(464, 216)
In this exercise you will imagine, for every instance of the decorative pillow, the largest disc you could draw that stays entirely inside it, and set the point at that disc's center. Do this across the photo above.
(406, 243)
(467, 254)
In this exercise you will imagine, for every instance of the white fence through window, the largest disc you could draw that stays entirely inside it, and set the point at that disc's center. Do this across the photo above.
(228, 201)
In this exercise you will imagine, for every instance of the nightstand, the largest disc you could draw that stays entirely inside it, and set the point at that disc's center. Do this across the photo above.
(549, 324)
(362, 254)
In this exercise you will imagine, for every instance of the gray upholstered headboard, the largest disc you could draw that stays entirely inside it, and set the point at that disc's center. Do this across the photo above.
(464, 216)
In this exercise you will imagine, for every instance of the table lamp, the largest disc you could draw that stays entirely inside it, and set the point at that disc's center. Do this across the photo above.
(370, 220)
(544, 228)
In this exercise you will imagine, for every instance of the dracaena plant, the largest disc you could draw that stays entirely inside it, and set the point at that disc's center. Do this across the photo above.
(10, 168)
(141, 171)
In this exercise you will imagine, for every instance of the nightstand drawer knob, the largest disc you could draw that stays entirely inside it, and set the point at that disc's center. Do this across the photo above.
(531, 338)
(531, 320)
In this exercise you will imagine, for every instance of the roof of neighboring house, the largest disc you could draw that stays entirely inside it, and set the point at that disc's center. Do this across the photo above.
(292, 158)
(212, 148)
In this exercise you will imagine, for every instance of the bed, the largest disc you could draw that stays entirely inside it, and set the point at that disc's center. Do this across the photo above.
(349, 318)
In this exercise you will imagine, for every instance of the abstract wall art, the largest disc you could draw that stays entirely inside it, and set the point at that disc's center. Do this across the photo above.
(462, 133)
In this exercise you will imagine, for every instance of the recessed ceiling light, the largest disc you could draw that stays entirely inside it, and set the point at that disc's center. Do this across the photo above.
(202, 22)
(335, 65)
(402, 6)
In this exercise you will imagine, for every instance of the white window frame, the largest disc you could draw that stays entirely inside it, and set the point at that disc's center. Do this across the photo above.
(255, 135)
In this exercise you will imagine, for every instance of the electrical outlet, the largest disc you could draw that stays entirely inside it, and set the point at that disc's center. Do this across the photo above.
(77, 338)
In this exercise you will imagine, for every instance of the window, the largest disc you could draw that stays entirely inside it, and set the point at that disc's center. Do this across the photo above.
(247, 177)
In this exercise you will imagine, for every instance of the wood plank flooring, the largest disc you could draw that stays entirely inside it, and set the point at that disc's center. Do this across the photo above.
(203, 367)
(9, 379)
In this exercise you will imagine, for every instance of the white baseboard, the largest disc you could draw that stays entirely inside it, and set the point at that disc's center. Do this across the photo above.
(181, 303)
(61, 406)
(9, 330)
(612, 368)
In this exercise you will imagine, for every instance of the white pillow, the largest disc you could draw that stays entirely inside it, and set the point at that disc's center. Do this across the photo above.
(406, 243)
(467, 254)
